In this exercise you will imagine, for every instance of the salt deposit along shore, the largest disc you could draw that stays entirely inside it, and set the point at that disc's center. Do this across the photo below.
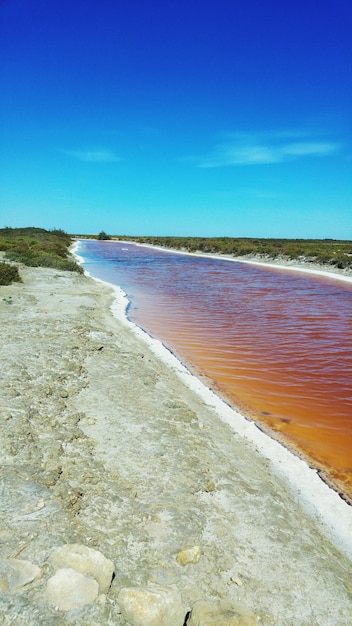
(130, 496)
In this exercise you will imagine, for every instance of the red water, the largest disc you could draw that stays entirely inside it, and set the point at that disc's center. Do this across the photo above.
(276, 344)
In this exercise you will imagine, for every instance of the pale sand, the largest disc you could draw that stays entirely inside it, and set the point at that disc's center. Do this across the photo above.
(107, 440)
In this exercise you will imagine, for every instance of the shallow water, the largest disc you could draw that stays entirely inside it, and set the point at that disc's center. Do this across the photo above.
(276, 344)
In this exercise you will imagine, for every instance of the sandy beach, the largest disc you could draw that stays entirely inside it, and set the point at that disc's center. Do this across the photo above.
(115, 458)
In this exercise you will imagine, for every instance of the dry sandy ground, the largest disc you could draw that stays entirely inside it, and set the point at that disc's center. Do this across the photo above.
(103, 445)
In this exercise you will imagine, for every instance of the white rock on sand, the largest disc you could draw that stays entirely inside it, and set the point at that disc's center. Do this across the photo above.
(68, 590)
(152, 606)
(85, 561)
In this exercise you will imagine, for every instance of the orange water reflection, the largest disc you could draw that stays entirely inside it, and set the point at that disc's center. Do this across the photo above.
(300, 411)
(277, 345)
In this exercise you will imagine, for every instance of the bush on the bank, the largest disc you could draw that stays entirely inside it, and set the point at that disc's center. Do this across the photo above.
(103, 236)
(40, 258)
(342, 261)
(37, 247)
(9, 274)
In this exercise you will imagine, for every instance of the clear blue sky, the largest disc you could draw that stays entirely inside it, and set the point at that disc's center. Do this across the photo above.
(177, 117)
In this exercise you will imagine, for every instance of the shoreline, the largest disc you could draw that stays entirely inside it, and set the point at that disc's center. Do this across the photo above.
(326, 271)
(321, 500)
(280, 264)
(107, 446)
(322, 271)
(318, 270)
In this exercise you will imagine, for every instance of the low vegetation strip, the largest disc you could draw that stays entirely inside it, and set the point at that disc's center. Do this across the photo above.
(38, 247)
(323, 251)
(49, 248)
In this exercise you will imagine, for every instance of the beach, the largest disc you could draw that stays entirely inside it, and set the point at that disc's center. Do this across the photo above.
(111, 447)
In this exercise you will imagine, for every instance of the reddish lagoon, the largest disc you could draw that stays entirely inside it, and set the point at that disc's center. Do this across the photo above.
(276, 344)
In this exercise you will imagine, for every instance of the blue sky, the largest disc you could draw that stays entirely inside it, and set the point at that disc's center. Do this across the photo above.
(177, 117)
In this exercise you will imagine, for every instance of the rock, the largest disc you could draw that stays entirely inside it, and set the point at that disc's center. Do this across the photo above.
(68, 589)
(223, 614)
(4, 586)
(210, 486)
(190, 555)
(152, 606)
(234, 580)
(85, 561)
(19, 573)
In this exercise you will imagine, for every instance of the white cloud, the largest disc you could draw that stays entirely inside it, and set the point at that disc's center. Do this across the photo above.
(93, 156)
(247, 149)
(309, 148)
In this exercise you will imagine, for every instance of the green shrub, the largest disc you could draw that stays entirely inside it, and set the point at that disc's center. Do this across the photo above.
(342, 261)
(38, 247)
(323, 258)
(9, 274)
(103, 236)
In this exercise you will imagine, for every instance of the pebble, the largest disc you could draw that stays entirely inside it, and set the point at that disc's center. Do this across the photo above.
(152, 606)
(234, 580)
(189, 555)
(210, 486)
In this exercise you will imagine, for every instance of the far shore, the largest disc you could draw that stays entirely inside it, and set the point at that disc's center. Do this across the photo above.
(309, 267)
